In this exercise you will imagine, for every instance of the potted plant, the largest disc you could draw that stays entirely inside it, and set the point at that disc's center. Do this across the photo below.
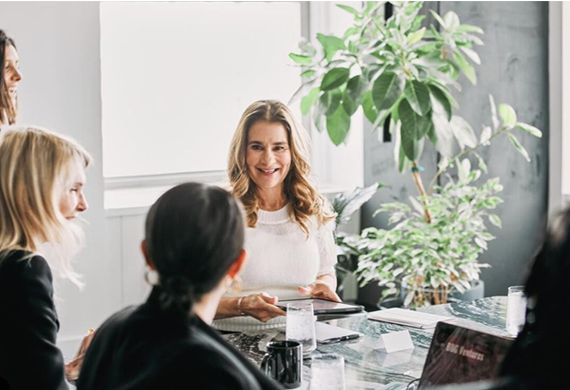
(401, 72)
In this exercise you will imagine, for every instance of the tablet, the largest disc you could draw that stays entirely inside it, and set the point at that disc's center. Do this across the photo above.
(321, 306)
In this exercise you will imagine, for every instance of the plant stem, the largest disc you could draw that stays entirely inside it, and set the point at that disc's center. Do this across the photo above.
(423, 195)
(502, 130)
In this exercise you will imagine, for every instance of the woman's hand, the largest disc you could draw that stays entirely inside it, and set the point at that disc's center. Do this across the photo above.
(73, 367)
(321, 290)
(260, 306)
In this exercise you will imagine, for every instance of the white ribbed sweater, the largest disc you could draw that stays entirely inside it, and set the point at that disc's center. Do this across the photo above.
(280, 258)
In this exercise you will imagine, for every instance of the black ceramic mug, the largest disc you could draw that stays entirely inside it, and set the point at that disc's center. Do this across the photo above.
(283, 362)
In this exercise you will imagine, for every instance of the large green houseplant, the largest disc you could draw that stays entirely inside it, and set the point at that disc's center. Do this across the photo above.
(401, 72)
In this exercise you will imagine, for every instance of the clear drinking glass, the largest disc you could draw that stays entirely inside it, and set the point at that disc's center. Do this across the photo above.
(301, 325)
(327, 372)
(516, 309)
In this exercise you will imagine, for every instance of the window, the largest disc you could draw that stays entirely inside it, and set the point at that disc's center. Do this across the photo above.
(177, 76)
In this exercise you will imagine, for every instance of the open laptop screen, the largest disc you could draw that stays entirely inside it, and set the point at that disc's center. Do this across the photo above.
(460, 355)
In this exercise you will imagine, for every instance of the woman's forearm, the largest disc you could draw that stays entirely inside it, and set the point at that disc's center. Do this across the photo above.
(228, 307)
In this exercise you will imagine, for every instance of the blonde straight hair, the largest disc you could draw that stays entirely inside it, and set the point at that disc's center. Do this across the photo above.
(36, 167)
(303, 198)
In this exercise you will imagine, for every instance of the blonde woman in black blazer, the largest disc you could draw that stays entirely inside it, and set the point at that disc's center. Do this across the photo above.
(41, 192)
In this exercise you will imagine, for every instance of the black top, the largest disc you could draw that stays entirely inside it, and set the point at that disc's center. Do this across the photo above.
(29, 357)
(144, 347)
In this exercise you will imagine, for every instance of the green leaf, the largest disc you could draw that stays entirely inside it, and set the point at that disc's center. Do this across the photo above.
(379, 122)
(472, 54)
(481, 163)
(408, 130)
(466, 67)
(485, 135)
(338, 125)
(417, 95)
(439, 19)
(508, 115)
(463, 132)
(348, 9)
(308, 73)
(463, 169)
(495, 220)
(308, 101)
(355, 87)
(386, 90)
(518, 146)
(353, 94)
(349, 105)
(425, 126)
(441, 97)
(451, 21)
(334, 78)
(529, 129)
(369, 108)
(481, 243)
(331, 45)
(300, 58)
(416, 36)
(329, 101)
(468, 28)
(494, 117)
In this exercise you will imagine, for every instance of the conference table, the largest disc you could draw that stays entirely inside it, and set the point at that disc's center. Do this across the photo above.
(367, 366)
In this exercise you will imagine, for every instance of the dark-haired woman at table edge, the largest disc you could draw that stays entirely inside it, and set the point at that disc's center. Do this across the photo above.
(194, 248)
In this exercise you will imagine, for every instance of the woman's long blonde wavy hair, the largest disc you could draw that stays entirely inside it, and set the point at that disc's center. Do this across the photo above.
(303, 198)
(36, 166)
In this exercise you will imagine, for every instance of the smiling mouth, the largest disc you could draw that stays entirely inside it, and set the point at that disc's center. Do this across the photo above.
(268, 171)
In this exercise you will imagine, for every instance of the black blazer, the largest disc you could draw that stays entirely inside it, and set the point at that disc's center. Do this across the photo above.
(145, 347)
(29, 357)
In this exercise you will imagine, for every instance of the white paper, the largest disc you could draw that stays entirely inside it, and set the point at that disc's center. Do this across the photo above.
(396, 341)
(412, 318)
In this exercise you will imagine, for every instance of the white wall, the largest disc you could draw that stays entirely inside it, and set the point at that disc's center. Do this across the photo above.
(58, 45)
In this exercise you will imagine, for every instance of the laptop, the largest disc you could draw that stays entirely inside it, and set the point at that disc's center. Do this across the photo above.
(460, 355)
(321, 306)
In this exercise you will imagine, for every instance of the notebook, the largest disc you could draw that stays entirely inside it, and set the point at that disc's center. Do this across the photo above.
(411, 318)
(460, 355)
(321, 306)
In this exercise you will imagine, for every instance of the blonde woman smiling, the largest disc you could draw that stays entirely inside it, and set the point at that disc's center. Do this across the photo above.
(289, 240)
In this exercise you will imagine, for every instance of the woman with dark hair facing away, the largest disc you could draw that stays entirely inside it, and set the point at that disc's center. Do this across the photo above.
(289, 239)
(194, 248)
(42, 175)
(10, 77)
(538, 360)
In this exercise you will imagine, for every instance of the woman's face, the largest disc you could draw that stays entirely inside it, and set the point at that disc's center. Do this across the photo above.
(12, 75)
(268, 156)
(72, 200)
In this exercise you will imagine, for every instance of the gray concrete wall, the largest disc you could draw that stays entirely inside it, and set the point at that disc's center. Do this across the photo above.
(514, 69)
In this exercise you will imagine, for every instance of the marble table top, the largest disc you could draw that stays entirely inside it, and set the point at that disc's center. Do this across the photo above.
(367, 366)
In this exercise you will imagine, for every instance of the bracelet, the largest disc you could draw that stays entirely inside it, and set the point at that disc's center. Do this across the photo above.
(241, 313)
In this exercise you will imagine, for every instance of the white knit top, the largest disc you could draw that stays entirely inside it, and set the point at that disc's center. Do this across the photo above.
(280, 258)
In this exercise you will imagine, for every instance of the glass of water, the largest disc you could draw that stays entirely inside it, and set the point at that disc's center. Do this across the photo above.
(516, 309)
(301, 325)
(327, 372)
